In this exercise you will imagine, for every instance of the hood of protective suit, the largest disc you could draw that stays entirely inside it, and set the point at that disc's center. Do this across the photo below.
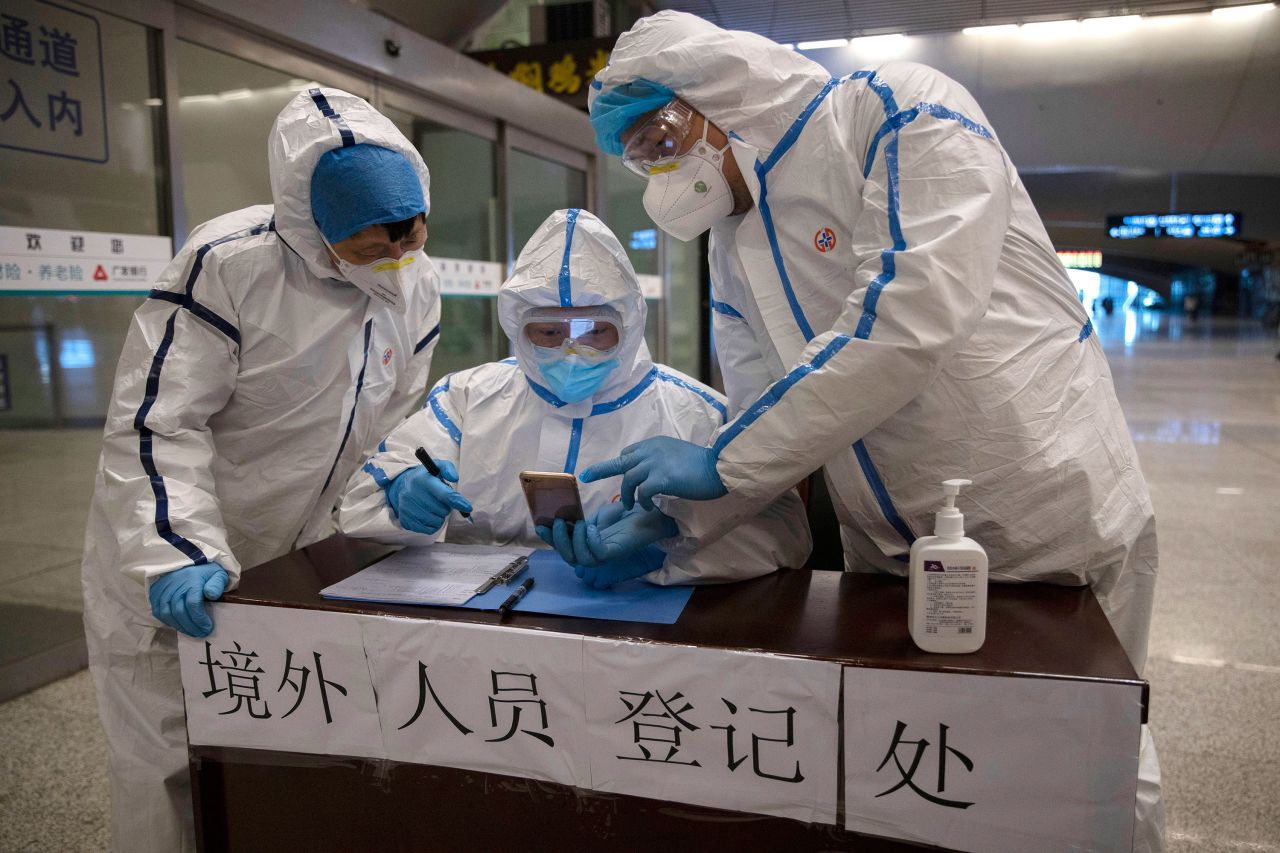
(315, 121)
(574, 261)
(745, 83)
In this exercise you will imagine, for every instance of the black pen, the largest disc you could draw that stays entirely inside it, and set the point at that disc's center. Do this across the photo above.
(434, 470)
(514, 597)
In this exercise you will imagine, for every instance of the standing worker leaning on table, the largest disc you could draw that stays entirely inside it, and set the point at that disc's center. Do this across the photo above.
(889, 308)
(274, 351)
(581, 387)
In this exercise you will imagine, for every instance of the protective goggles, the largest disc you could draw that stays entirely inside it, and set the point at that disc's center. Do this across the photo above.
(654, 146)
(585, 336)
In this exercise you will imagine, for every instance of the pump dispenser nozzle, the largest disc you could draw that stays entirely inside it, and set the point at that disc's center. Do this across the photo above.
(949, 521)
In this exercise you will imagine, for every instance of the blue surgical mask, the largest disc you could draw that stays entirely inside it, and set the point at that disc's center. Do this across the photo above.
(573, 378)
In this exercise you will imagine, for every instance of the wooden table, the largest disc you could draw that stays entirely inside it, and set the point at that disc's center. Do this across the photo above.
(248, 800)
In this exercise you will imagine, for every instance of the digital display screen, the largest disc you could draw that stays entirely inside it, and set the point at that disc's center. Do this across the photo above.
(1126, 226)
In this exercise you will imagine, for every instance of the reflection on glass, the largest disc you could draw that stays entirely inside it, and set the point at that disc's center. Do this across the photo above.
(226, 108)
(462, 224)
(539, 188)
(118, 196)
(60, 356)
(627, 219)
(1177, 431)
(686, 290)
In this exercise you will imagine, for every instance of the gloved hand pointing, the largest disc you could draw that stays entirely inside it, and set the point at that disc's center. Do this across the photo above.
(177, 599)
(661, 466)
(422, 502)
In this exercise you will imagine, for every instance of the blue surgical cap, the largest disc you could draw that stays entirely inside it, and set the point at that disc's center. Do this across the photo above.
(617, 109)
(362, 185)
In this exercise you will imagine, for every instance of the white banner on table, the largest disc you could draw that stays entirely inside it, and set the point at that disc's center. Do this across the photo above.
(480, 697)
(732, 730)
(983, 763)
(280, 678)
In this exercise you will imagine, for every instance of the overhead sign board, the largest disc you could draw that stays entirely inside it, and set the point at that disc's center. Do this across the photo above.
(1126, 226)
(52, 99)
(1075, 259)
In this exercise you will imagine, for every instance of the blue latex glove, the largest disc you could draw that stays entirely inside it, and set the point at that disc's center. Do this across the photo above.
(423, 502)
(661, 466)
(613, 572)
(177, 599)
(586, 549)
(613, 533)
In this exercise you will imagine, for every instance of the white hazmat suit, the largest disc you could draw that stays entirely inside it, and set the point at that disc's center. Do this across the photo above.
(891, 308)
(252, 383)
(496, 420)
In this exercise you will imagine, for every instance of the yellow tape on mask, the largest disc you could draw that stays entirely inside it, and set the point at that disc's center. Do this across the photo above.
(393, 265)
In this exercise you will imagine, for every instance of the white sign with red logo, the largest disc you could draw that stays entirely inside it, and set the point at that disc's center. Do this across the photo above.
(39, 261)
(468, 278)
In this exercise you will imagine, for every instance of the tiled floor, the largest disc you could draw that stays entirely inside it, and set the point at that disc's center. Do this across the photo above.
(1203, 402)
(48, 481)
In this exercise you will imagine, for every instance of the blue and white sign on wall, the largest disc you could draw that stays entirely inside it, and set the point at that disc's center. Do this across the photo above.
(54, 262)
(1126, 226)
(52, 95)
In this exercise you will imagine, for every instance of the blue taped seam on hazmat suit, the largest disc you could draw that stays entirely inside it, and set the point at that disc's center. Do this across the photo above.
(931, 333)
(918, 356)
(243, 383)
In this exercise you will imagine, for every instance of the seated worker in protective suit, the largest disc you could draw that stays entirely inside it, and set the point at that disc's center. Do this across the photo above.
(581, 388)
(275, 350)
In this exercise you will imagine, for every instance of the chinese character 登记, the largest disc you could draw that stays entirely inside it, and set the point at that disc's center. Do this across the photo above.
(641, 729)
(531, 688)
(908, 773)
(242, 680)
(757, 740)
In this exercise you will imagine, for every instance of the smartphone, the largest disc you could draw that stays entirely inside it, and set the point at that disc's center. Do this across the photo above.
(551, 495)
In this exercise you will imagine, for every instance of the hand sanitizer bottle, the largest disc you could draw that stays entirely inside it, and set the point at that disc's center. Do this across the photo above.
(948, 584)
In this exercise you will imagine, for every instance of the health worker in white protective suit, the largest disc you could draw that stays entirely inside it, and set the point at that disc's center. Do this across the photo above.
(888, 307)
(581, 387)
(276, 349)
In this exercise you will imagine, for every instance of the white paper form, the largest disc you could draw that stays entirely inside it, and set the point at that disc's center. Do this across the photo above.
(429, 574)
